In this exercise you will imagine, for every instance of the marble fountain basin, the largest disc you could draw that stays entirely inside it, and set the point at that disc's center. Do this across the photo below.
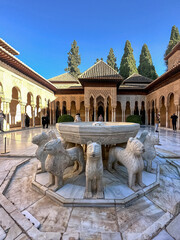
(106, 133)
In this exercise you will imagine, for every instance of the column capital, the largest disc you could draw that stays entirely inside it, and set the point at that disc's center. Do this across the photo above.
(6, 100)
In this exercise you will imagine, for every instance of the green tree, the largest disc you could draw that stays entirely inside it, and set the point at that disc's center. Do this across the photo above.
(97, 60)
(146, 67)
(74, 60)
(128, 63)
(174, 39)
(111, 60)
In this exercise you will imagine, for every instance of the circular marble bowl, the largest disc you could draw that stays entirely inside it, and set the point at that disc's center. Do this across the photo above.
(106, 133)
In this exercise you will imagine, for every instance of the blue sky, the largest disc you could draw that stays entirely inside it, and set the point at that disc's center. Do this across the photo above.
(42, 31)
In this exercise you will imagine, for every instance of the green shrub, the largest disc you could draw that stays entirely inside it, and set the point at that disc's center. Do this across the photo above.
(134, 119)
(65, 118)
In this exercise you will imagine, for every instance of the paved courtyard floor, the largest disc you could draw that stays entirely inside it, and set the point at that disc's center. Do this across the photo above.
(153, 216)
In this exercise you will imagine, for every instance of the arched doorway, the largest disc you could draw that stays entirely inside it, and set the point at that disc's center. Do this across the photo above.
(162, 112)
(142, 112)
(73, 109)
(136, 109)
(15, 108)
(91, 111)
(64, 111)
(128, 110)
(152, 113)
(82, 111)
(171, 108)
(118, 112)
(100, 106)
(58, 113)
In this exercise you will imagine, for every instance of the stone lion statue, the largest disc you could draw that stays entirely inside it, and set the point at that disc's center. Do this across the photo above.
(149, 142)
(131, 158)
(59, 159)
(40, 140)
(94, 170)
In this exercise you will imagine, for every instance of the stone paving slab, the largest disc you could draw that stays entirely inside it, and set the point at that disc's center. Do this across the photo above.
(174, 228)
(2, 234)
(163, 235)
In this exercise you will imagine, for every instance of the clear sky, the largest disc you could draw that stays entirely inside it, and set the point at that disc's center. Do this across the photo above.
(42, 30)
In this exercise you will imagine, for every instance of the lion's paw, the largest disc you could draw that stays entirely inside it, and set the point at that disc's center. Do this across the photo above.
(100, 195)
(88, 195)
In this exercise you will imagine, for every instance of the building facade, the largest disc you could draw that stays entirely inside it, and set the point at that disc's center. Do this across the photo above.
(100, 90)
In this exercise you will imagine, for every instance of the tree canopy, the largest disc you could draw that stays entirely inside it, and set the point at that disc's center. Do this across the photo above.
(128, 63)
(74, 60)
(97, 60)
(111, 60)
(146, 67)
(174, 39)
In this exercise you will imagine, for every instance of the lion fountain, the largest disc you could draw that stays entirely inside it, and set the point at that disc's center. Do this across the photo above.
(59, 159)
(94, 170)
(131, 158)
(149, 142)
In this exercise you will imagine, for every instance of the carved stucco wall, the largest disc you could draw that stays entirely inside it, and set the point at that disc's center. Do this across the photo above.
(105, 92)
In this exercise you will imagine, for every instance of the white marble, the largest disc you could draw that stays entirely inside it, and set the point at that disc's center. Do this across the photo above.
(119, 191)
(42, 178)
(107, 133)
(174, 228)
(2, 234)
(94, 170)
(148, 178)
(131, 158)
(71, 191)
(163, 235)
(59, 159)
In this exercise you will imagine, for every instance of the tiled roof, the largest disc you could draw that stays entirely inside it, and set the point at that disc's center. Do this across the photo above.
(100, 70)
(65, 77)
(137, 78)
(8, 48)
(67, 85)
(175, 48)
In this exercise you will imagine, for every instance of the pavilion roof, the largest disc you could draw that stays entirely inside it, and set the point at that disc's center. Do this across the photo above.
(64, 78)
(8, 48)
(136, 78)
(100, 71)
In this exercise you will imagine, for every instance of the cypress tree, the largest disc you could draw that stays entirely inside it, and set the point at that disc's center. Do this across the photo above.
(128, 63)
(174, 39)
(97, 60)
(111, 60)
(74, 60)
(146, 67)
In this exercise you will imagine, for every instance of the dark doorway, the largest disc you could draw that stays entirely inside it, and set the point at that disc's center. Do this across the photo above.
(101, 111)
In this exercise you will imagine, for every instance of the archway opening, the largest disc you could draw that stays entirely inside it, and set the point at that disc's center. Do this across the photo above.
(152, 113)
(15, 108)
(162, 112)
(171, 109)
(136, 109)
(128, 110)
(118, 112)
(91, 111)
(64, 111)
(73, 109)
(143, 113)
(82, 111)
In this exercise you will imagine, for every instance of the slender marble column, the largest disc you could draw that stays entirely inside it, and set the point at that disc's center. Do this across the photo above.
(167, 117)
(23, 106)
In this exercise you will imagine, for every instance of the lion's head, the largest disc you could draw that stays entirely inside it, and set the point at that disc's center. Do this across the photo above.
(54, 146)
(135, 146)
(40, 138)
(151, 139)
(93, 150)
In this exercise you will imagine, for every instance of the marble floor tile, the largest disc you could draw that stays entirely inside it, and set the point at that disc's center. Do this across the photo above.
(71, 191)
